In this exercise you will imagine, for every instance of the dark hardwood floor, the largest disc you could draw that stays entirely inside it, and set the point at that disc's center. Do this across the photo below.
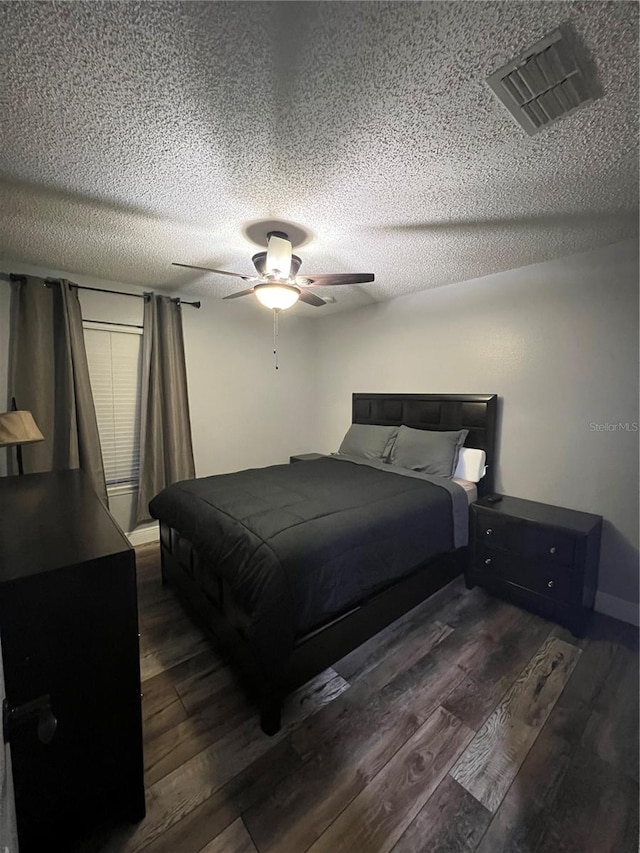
(469, 725)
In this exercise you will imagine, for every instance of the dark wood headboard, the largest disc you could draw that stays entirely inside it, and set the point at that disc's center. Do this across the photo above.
(475, 412)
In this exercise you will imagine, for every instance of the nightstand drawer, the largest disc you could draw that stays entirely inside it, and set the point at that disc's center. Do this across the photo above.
(541, 576)
(522, 537)
(557, 546)
(497, 532)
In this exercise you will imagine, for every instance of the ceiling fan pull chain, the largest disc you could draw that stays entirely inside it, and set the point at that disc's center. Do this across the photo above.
(276, 311)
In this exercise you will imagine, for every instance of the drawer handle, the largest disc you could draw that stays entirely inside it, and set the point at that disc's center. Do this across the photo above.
(38, 711)
(488, 531)
(551, 584)
(552, 550)
(487, 562)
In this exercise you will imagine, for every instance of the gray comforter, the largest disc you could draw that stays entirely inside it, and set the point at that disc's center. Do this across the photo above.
(301, 543)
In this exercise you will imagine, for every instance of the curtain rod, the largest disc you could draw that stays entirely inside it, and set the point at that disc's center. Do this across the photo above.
(144, 296)
(50, 281)
(111, 323)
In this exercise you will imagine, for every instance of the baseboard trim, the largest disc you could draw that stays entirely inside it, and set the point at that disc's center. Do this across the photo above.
(618, 608)
(143, 535)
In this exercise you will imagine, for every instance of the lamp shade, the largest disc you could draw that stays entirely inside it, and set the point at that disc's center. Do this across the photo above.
(278, 262)
(279, 296)
(18, 428)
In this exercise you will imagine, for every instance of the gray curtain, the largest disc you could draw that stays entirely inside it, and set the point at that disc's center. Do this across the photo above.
(49, 376)
(166, 452)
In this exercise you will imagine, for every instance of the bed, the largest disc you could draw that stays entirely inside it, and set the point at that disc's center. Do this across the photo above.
(290, 567)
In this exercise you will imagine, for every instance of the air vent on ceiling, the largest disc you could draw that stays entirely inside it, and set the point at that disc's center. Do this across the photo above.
(545, 83)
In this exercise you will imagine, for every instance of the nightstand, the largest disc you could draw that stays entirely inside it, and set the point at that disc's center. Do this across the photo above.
(306, 457)
(539, 556)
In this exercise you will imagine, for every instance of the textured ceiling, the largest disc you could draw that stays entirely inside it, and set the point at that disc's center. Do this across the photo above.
(135, 134)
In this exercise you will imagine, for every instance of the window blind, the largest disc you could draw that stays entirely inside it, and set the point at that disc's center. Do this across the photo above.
(115, 360)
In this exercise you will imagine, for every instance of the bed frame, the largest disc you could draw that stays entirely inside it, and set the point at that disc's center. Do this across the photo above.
(222, 618)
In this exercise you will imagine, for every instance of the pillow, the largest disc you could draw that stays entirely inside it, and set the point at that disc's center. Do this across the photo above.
(368, 441)
(471, 465)
(429, 451)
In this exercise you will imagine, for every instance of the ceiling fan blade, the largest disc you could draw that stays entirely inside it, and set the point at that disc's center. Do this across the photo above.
(220, 272)
(239, 293)
(330, 280)
(310, 298)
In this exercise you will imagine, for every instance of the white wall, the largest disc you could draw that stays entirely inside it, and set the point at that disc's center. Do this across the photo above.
(244, 413)
(558, 342)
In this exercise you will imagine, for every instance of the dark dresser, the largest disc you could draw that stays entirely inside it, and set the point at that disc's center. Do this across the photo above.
(536, 555)
(69, 627)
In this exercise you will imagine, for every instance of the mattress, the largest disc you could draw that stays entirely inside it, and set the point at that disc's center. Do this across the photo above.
(470, 489)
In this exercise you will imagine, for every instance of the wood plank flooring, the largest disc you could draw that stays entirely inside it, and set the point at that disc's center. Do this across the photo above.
(468, 725)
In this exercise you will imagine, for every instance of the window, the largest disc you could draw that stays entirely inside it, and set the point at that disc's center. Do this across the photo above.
(114, 354)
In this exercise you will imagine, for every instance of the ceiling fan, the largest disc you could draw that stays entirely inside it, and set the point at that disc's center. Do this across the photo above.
(277, 284)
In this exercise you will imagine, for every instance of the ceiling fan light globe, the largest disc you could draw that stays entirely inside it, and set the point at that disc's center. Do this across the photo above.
(277, 296)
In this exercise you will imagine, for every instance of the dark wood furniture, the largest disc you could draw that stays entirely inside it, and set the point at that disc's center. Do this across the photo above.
(223, 617)
(540, 556)
(69, 627)
(306, 457)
